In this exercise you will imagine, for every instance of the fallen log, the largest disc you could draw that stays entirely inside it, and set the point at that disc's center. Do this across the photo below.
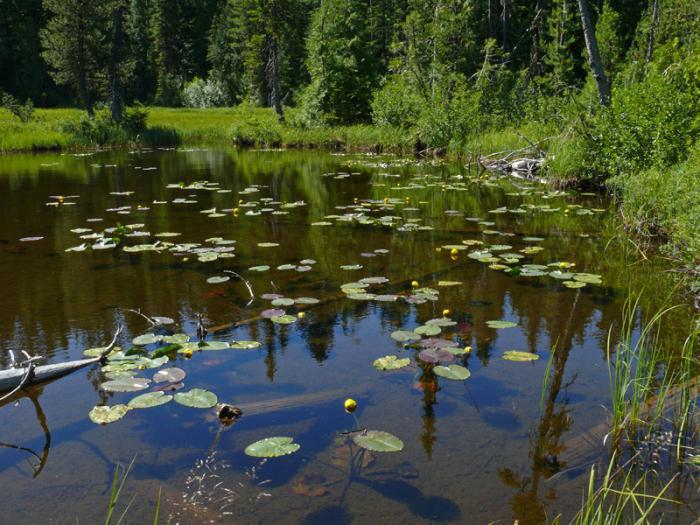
(28, 373)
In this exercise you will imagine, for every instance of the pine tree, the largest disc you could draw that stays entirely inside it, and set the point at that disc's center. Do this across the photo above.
(560, 47)
(74, 46)
(343, 62)
(138, 28)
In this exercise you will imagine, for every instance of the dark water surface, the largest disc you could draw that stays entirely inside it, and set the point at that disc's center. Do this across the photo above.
(479, 450)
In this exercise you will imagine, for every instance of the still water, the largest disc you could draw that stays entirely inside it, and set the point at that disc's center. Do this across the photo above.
(491, 447)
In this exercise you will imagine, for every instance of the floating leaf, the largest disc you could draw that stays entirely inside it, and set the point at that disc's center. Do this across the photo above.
(574, 284)
(272, 447)
(361, 296)
(245, 345)
(272, 312)
(176, 339)
(306, 300)
(501, 324)
(404, 336)
(283, 319)
(435, 355)
(171, 375)
(150, 399)
(378, 441)
(267, 245)
(517, 355)
(218, 279)
(454, 372)
(127, 384)
(374, 280)
(196, 398)
(588, 278)
(443, 284)
(351, 267)
(262, 268)
(283, 301)
(428, 330)
(390, 362)
(146, 339)
(105, 414)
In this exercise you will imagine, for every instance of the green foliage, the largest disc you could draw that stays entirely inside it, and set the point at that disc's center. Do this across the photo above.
(101, 130)
(396, 103)
(342, 62)
(650, 123)
(22, 111)
(200, 93)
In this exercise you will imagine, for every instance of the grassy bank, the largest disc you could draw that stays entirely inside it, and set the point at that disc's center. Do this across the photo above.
(660, 202)
(244, 125)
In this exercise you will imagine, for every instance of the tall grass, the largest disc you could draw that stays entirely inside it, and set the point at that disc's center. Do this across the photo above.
(121, 474)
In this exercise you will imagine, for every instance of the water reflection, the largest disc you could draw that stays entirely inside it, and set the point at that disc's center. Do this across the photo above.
(457, 435)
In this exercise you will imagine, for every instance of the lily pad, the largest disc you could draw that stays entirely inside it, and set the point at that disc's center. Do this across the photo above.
(272, 447)
(518, 355)
(171, 375)
(103, 415)
(501, 324)
(306, 300)
(176, 339)
(245, 345)
(454, 372)
(574, 284)
(127, 384)
(150, 399)
(147, 339)
(283, 319)
(261, 268)
(196, 398)
(283, 301)
(378, 441)
(443, 284)
(218, 279)
(272, 312)
(390, 362)
(404, 336)
(428, 330)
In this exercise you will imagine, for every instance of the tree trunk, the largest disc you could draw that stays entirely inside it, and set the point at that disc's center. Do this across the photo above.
(504, 25)
(273, 79)
(594, 60)
(82, 77)
(655, 13)
(489, 29)
(116, 102)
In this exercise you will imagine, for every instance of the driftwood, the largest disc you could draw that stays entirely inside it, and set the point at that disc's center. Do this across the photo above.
(28, 373)
(590, 444)
(311, 399)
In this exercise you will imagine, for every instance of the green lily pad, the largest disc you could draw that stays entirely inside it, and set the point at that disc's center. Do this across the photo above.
(176, 339)
(97, 352)
(404, 336)
(267, 245)
(351, 267)
(390, 362)
(147, 339)
(283, 301)
(103, 415)
(574, 284)
(213, 345)
(378, 441)
(261, 268)
(428, 330)
(127, 384)
(150, 399)
(283, 319)
(589, 278)
(196, 398)
(518, 355)
(454, 372)
(272, 447)
(442, 284)
(306, 300)
(245, 345)
(218, 279)
(501, 324)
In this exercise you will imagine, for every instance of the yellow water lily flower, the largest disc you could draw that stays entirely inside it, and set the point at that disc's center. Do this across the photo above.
(350, 405)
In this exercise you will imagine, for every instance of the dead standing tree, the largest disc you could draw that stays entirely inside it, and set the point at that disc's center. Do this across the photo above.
(593, 53)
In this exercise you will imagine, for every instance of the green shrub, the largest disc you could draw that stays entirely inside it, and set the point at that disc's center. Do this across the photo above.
(102, 130)
(396, 103)
(22, 111)
(649, 124)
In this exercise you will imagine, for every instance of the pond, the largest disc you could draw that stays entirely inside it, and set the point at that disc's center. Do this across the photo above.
(374, 246)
